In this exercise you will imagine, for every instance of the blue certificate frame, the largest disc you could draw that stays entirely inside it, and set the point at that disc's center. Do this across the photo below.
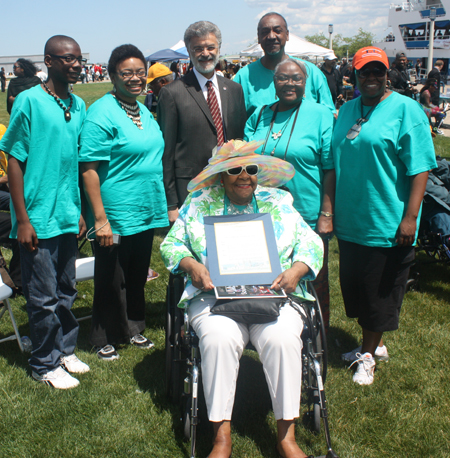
(224, 274)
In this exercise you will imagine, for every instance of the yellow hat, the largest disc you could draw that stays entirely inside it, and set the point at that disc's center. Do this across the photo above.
(156, 71)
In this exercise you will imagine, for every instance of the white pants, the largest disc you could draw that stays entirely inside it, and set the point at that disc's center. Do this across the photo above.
(222, 341)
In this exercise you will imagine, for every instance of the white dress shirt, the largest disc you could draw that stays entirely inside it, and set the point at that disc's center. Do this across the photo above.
(202, 82)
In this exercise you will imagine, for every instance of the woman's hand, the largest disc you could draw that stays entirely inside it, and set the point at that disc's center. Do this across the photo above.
(104, 235)
(288, 280)
(406, 232)
(325, 226)
(198, 273)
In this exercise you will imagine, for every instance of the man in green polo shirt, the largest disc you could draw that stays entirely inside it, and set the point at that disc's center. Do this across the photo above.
(256, 79)
(42, 143)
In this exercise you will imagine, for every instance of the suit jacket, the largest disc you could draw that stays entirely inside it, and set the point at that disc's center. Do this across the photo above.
(189, 131)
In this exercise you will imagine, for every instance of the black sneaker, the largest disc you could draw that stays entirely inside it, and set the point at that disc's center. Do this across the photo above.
(142, 342)
(108, 352)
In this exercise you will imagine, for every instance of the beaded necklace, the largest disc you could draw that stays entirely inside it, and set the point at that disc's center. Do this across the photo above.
(67, 115)
(276, 136)
(132, 111)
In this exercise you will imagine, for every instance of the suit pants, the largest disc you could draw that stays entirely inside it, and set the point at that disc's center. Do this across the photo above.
(222, 341)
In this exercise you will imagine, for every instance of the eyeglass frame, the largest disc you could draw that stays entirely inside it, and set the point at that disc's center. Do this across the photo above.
(244, 167)
(144, 74)
(290, 78)
(81, 60)
(200, 49)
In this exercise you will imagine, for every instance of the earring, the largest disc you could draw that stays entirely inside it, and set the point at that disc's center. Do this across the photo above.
(114, 89)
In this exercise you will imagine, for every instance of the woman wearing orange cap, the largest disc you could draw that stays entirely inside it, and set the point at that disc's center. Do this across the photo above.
(382, 152)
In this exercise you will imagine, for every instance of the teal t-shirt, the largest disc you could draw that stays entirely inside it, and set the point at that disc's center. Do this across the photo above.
(373, 171)
(46, 144)
(309, 150)
(130, 168)
(259, 88)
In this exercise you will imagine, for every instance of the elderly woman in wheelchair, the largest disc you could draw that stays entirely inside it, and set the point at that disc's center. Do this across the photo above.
(239, 181)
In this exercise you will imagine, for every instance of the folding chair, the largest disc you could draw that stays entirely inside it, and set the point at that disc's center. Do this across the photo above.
(84, 270)
(5, 293)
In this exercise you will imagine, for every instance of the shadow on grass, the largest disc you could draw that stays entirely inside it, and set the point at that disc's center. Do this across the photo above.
(340, 341)
(149, 374)
(252, 403)
(10, 350)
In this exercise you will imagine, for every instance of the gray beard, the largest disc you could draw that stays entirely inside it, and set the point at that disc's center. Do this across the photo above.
(201, 70)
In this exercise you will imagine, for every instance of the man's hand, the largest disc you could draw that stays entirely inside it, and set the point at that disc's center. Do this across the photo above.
(173, 215)
(26, 235)
(81, 228)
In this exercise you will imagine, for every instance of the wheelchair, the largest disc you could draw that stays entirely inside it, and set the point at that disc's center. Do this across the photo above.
(183, 364)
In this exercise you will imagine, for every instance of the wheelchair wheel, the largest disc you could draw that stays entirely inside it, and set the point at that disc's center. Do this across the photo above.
(320, 337)
(186, 417)
(168, 351)
(316, 413)
(174, 323)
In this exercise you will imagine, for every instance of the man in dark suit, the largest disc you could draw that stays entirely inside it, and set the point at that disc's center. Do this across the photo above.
(196, 113)
(436, 74)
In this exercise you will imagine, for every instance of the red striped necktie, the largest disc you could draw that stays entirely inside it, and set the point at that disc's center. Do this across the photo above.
(215, 112)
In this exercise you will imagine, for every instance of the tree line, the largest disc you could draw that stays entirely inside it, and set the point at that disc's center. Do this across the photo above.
(343, 44)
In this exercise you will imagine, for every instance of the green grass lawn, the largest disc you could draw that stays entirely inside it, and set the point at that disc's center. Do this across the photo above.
(120, 410)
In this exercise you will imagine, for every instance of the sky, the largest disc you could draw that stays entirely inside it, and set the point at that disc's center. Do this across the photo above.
(101, 25)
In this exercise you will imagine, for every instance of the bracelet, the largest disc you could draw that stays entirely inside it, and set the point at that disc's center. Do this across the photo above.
(327, 214)
(92, 230)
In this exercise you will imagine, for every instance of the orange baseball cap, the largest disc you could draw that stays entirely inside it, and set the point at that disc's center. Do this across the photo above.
(369, 54)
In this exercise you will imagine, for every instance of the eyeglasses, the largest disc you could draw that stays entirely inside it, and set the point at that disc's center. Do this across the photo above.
(377, 72)
(17, 66)
(127, 74)
(251, 170)
(70, 58)
(200, 49)
(296, 79)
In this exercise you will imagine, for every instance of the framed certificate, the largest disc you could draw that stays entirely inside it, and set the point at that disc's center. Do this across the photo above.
(241, 249)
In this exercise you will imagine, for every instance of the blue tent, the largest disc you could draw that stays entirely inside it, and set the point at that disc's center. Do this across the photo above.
(165, 55)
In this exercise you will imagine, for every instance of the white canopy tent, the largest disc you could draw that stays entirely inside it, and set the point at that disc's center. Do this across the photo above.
(180, 47)
(296, 46)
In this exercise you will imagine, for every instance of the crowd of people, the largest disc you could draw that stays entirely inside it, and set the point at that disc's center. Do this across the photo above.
(359, 174)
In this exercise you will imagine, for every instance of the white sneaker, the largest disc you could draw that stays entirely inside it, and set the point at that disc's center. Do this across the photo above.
(74, 365)
(381, 354)
(365, 370)
(57, 378)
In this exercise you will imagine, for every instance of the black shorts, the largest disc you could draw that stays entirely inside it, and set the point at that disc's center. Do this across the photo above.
(373, 283)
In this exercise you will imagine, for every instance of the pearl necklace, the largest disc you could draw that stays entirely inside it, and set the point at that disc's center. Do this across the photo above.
(132, 111)
(67, 115)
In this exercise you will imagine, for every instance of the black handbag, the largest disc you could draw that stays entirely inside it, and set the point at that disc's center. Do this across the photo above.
(251, 310)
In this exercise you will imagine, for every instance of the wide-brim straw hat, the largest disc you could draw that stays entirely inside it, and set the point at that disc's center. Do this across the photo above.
(273, 172)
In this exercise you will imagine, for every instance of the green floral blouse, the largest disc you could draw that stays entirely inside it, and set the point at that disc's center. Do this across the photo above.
(296, 241)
